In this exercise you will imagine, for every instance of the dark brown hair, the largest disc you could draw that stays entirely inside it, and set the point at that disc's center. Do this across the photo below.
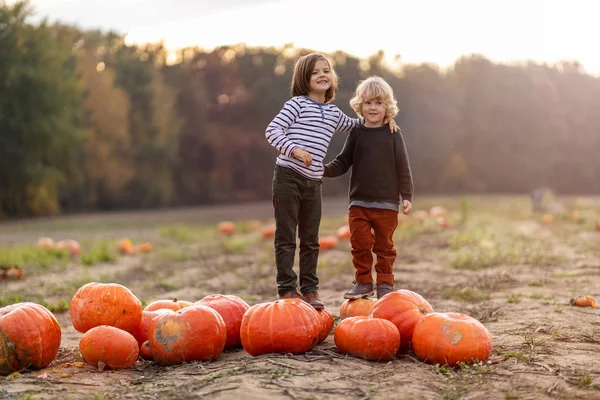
(302, 73)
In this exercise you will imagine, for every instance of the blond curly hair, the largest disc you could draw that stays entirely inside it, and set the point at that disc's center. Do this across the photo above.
(372, 88)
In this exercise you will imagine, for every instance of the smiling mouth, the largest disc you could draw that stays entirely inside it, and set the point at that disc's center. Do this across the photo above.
(322, 82)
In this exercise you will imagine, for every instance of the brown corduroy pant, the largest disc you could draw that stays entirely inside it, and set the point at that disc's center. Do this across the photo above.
(372, 231)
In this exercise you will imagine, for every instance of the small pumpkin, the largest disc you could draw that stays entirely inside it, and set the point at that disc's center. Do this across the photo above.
(232, 309)
(548, 219)
(343, 232)
(226, 228)
(404, 308)
(326, 323)
(146, 351)
(438, 211)
(105, 304)
(72, 246)
(280, 326)
(194, 333)
(327, 242)
(144, 247)
(268, 232)
(450, 338)
(107, 346)
(373, 339)
(357, 307)
(126, 247)
(29, 337)
(45, 243)
(172, 304)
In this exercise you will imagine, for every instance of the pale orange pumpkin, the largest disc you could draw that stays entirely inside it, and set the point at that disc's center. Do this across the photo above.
(46, 243)
(343, 232)
(105, 304)
(268, 232)
(548, 219)
(172, 304)
(450, 338)
(355, 308)
(106, 346)
(438, 211)
(226, 228)
(126, 247)
(232, 309)
(72, 246)
(373, 339)
(144, 247)
(327, 242)
(404, 309)
(29, 337)
(280, 326)
(194, 333)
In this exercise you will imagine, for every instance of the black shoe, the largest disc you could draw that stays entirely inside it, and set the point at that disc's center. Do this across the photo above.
(359, 291)
(383, 289)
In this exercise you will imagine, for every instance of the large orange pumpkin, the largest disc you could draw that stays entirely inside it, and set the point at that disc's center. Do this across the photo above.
(194, 333)
(107, 346)
(105, 304)
(355, 308)
(280, 326)
(141, 333)
(232, 309)
(450, 338)
(29, 337)
(327, 321)
(404, 309)
(373, 339)
(172, 304)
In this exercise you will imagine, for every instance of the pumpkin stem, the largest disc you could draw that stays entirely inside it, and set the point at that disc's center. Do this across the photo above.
(101, 366)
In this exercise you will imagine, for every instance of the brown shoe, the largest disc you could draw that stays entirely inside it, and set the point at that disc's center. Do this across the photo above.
(383, 289)
(292, 294)
(359, 291)
(312, 298)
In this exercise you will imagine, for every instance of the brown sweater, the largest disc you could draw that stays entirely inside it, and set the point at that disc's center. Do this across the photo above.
(380, 166)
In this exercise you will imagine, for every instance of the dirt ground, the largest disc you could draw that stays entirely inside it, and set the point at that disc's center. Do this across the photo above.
(543, 347)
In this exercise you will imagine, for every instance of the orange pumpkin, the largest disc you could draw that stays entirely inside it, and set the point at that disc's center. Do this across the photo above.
(45, 243)
(194, 333)
(450, 338)
(107, 346)
(144, 247)
(373, 339)
(29, 337)
(232, 309)
(355, 308)
(268, 232)
(141, 334)
(327, 242)
(438, 211)
(125, 246)
(404, 309)
(443, 222)
(72, 246)
(343, 232)
(548, 219)
(105, 304)
(280, 326)
(173, 304)
(146, 351)
(254, 224)
(226, 228)
(326, 323)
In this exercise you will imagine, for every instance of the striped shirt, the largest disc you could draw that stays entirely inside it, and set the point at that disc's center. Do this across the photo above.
(309, 125)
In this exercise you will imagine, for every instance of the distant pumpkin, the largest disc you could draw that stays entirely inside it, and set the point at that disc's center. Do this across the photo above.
(327, 242)
(226, 228)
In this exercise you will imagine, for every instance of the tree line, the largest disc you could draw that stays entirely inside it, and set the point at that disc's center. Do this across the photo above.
(90, 123)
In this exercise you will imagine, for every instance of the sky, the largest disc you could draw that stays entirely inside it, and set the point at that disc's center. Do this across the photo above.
(437, 31)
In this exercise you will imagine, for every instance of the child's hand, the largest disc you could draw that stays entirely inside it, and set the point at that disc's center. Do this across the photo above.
(406, 206)
(393, 127)
(303, 156)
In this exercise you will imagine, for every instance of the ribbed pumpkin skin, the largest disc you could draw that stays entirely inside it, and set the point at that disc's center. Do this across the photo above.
(280, 326)
(404, 309)
(327, 321)
(115, 347)
(356, 308)
(450, 338)
(109, 304)
(232, 309)
(194, 333)
(172, 304)
(29, 337)
(373, 339)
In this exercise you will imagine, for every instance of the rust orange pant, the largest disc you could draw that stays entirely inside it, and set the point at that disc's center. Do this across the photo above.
(371, 231)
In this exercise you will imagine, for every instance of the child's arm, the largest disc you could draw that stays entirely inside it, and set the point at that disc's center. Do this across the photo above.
(403, 168)
(276, 135)
(346, 124)
(342, 163)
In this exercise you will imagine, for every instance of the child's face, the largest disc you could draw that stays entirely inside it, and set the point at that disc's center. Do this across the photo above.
(320, 80)
(373, 110)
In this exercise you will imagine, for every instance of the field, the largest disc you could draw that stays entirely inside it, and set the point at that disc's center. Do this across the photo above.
(497, 262)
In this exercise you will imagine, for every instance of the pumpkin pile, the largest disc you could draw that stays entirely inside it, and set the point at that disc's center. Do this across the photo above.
(402, 320)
